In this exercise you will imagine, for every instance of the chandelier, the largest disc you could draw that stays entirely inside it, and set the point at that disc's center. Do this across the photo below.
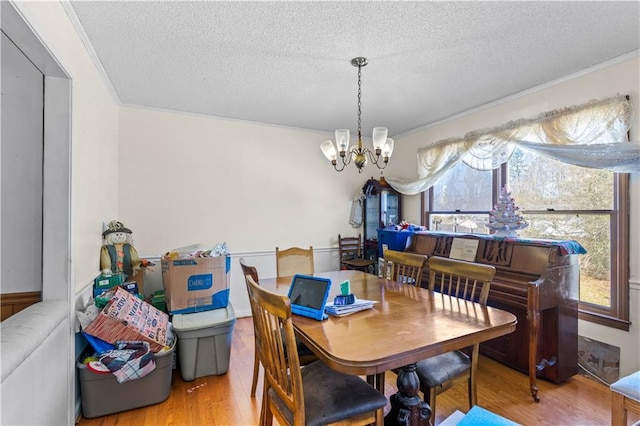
(383, 146)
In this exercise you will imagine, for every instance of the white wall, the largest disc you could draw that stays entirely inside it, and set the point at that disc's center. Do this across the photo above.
(188, 179)
(185, 179)
(623, 77)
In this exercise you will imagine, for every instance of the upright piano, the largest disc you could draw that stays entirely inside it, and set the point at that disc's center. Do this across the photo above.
(537, 280)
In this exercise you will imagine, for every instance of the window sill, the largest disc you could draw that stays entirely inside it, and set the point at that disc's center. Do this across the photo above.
(603, 319)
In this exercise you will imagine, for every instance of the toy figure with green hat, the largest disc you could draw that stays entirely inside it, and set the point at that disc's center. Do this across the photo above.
(117, 253)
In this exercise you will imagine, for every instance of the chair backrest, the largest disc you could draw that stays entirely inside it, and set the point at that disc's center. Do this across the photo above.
(277, 348)
(465, 280)
(249, 270)
(253, 273)
(404, 267)
(293, 261)
(350, 247)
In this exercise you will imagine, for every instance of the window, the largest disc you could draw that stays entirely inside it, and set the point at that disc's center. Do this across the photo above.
(582, 194)
(559, 201)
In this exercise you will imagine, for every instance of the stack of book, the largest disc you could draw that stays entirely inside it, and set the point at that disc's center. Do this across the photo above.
(342, 310)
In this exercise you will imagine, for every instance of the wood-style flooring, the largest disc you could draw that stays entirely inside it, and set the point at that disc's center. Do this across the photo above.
(225, 399)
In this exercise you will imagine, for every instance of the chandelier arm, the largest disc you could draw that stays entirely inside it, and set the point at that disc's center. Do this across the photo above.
(346, 160)
(375, 159)
(348, 157)
(335, 165)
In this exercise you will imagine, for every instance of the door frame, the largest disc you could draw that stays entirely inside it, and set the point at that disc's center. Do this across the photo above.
(57, 242)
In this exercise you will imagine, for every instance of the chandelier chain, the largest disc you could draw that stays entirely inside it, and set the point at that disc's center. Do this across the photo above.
(359, 101)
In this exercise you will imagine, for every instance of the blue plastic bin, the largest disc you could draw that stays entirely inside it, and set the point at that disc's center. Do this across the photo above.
(395, 240)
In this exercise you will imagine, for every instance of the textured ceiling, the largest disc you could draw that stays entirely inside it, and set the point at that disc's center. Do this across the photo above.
(289, 63)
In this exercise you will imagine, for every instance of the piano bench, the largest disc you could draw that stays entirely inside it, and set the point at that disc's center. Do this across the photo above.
(625, 396)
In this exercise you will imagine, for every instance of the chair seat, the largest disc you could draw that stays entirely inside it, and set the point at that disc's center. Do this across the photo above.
(438, 369)
(628, 386)
(349, 396)
(359, 263)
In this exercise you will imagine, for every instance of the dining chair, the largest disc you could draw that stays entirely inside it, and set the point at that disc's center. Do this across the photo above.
(403, 267)
(351, 254)
(251, 271)
(314, 394)
(305, 354)
(293, 261)
(625, 398)
(463, 280)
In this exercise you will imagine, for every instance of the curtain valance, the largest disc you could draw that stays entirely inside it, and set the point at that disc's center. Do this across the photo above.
(590, 135)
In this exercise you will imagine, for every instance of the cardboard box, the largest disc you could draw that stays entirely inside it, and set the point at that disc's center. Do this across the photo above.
(126, 317)
(196, 284)
(138, 277)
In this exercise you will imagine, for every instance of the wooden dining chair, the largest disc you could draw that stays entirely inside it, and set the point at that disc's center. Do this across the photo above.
(252, 272)
(404, 267)
(305, 354)
(313, 395)
(463, 280)
(625, 398)
(293, 261)
(351, 254)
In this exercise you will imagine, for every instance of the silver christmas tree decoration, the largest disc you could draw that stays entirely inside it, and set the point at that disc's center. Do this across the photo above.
(505, 217)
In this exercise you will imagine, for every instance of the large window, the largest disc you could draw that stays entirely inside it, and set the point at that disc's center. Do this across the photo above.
(559, 201)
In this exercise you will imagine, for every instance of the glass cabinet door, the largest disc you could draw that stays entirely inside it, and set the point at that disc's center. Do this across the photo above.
(389, 209)
(372, 217)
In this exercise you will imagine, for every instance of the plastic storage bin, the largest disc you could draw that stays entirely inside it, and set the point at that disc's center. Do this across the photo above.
(101, 394)
(204, 341)
(395, 240)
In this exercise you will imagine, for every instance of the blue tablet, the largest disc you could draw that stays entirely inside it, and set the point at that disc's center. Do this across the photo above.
(309, 295)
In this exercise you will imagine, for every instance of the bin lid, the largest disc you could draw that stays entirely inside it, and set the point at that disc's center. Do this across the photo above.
(205, 319)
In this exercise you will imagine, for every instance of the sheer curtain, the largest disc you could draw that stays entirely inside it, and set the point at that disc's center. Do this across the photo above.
(590, 135)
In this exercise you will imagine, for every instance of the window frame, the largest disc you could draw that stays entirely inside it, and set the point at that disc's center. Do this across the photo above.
(617, 315)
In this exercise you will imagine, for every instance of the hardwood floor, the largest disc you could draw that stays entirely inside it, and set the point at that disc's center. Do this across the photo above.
(225, 399)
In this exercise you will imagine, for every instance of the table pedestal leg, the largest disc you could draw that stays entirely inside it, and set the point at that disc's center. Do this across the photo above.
(406, 406)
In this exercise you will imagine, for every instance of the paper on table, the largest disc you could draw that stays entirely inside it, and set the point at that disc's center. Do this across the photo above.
(341, 310)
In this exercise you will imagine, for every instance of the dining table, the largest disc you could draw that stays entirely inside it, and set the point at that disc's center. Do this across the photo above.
(405, 324)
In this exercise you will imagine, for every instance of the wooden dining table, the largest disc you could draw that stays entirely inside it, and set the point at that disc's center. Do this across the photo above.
(406, 324)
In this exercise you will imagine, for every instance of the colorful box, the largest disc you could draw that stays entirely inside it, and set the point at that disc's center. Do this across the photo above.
(196, 284)
(126, 317)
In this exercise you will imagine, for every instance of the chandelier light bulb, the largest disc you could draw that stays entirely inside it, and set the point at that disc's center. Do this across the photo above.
(342, 139)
